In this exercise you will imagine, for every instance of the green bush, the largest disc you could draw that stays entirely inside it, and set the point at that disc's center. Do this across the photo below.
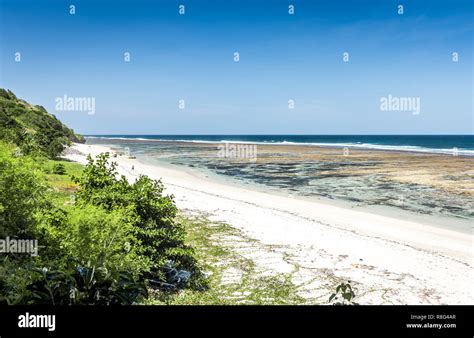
(22, 193)
(90, 236)
(59, 169)
(84, 286)
(152, 212)
(344, 295)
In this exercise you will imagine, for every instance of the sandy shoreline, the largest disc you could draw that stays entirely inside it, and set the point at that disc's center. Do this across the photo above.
(389, 261)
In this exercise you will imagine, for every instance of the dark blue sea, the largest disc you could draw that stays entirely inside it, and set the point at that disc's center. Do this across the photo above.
(462, 144)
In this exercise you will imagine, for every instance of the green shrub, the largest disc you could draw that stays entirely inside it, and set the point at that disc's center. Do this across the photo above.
(22, 193)
(90, 236)
(344, 295)
(154, 215)
(15, 276)
(59, 169)
(84, 286)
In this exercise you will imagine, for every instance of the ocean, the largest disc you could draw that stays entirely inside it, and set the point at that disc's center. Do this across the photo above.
(429, 175)
(463, 144)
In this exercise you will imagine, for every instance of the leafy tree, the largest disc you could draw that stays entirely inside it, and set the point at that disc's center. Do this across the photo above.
(22, 193)
(90, 236)
(161, 237)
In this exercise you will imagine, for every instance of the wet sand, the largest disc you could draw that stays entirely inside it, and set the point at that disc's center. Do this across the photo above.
(422, 183)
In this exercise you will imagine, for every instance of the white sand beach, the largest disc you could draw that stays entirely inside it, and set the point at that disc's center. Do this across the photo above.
(388, 260)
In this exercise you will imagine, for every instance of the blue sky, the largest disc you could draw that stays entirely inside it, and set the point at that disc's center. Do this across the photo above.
(282, 57)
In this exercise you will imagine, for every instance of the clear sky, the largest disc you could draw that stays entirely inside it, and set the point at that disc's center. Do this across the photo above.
(282, 57)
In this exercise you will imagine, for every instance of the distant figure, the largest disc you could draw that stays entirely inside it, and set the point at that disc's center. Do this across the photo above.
(133, 167)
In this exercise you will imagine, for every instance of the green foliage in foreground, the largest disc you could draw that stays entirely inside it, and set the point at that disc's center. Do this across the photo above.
(152, 215)
(93, 237)
(22, 192)
(86, 286)
(107, 245)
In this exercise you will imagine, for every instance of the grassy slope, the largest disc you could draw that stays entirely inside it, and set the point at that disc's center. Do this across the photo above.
(32, 127)
(63, 184)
